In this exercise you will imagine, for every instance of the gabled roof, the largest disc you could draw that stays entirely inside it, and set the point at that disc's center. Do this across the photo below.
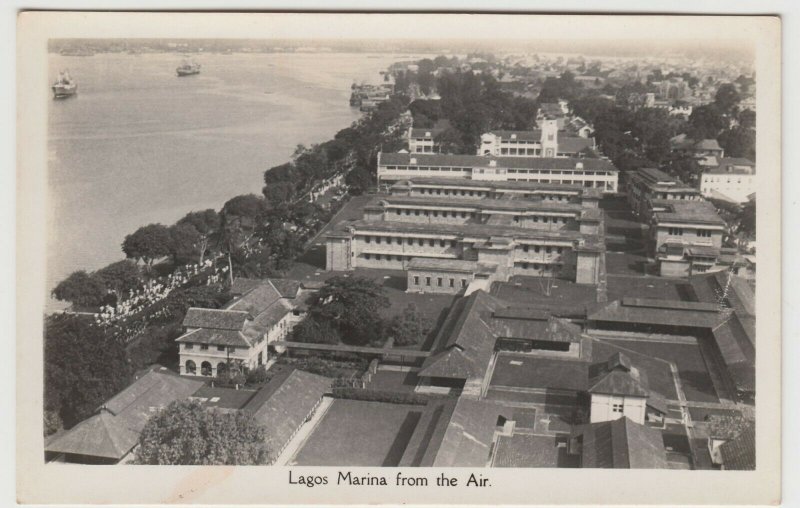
(289, 400)
(114, 430)
(219, 319)
(231, 338)
(257, 300)
(709, 287)
(470, 433)
(98, 436)
(740, 452)
(465, 341)
(621, 444)
(242, 285)
(617, 377)
(656, 313)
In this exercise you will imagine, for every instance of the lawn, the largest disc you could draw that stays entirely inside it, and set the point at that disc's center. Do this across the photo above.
(524, 450)
(360, 433)
(696, 382)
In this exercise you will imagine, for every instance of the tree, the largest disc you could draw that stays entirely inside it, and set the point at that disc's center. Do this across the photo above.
(359, 180)
(207, 223)
(81, 289)
(148, 243)
(83, 367)
(706, 122)
(409, 327)
(184, 244)
(352, 305)
(450, 141)
(120, 277)
(278, 193)
(186, 433)
(747, 119)
(739, 142)
(315, 331)
(747, 221)
(727, 99)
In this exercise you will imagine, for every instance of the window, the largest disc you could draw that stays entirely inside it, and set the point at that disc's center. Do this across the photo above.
(524, 266)
(453, 244)
(378, 240)
(431, 242)
(441, 243)
(427, 281)
(516, 218)
(525, 248)
(548, 250)
(452, 283)
(435, 213)
(416, 280)
(377, 257)
(616, 408)
(439, 281)
(463, 215)
(366, 256)
(399, 211)
(220, 348)
(535, 218)
(676, 231)
(421, 241)
(416, 212)
(536, 266)
(559, 249)
(408, 212)
(399, 241)
(463, 283)
(367, 239)
(703, 233)
(537, 249)
(204, 347)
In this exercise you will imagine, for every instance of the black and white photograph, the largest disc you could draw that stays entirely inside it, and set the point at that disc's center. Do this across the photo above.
(332, 255)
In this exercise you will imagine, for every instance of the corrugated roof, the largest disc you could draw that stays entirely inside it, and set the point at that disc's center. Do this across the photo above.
(470, 433)
(616, 312)
(693, 211)
(621, 444)
(114, 430)
(487, 205)
(740, 452)
(466, 341)
(288, 405)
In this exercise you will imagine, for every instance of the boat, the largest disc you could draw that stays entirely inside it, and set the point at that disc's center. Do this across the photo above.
(64, 86)
(188, 68)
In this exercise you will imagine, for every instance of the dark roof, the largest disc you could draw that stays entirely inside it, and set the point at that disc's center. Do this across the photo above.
(231, 338)
(693, 211)
(97, 436)
(507, 204)
(470, 433)
(483, 161)
(114, 430)
(569, 144)
(507, 185)
(444, 265)
(288, 405)
(218, 319)
(531, 135)
(257, 300)
(621, 444)
(740, 452)
(708, 287)
(737, 350)
(666, 315)
(617, 377)
(465, 342)
(222, 398)
(288, 288)
(242, 285)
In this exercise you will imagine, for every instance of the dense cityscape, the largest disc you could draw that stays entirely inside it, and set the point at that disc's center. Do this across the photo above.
(513, 258)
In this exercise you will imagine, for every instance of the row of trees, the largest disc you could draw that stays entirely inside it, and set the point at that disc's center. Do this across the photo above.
(348, 310)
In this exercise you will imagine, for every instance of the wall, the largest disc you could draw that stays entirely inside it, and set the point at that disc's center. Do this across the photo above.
(689, 236)
(337, 254)
(588, 267)
(668, 268)
(601, 408)
(434, 275)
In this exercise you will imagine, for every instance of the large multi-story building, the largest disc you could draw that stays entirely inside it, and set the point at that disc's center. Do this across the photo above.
(425, 139)
(544, 142)
(239, 334)
(445, 243)
(648, 184)
(585, 172)
(686, 236)
(732, 179)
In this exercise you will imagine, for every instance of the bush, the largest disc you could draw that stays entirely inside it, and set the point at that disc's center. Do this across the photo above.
(258, 376)
(315, 331)
(381, 396)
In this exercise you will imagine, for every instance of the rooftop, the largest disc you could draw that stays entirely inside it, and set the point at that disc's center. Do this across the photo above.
(483, 161)
(500, 186)
(733, 166)
(469, 436)
(505, 204)
(695, 211)
(621, 444)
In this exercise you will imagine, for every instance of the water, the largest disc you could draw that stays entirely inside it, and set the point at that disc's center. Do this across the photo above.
(140, 145)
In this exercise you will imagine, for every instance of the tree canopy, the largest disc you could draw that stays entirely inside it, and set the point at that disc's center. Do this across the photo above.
(120, 277)
(83, 367)
(148, 243)
(351, 305)
(81, 289)
(409, 327)
(186, 433)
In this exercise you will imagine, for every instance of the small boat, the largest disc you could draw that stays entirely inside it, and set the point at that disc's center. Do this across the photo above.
(188, 69)
(64, 86)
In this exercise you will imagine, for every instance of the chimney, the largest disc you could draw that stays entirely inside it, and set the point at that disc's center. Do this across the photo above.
(493, 163)
(413, 160)
(513, 136)
(579, 165)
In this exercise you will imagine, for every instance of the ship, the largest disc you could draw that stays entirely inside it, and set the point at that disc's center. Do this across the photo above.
(64, 86)
(188, 69)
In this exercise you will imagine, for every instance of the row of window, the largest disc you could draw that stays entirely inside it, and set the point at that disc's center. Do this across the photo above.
(436, 213)
(440, 282)
(702, 233)
(536, 266)
(462, 192)
(537, 249)
(587, 184)
(520, 151)
(480, 170)
(409, 241)
(204, 347)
